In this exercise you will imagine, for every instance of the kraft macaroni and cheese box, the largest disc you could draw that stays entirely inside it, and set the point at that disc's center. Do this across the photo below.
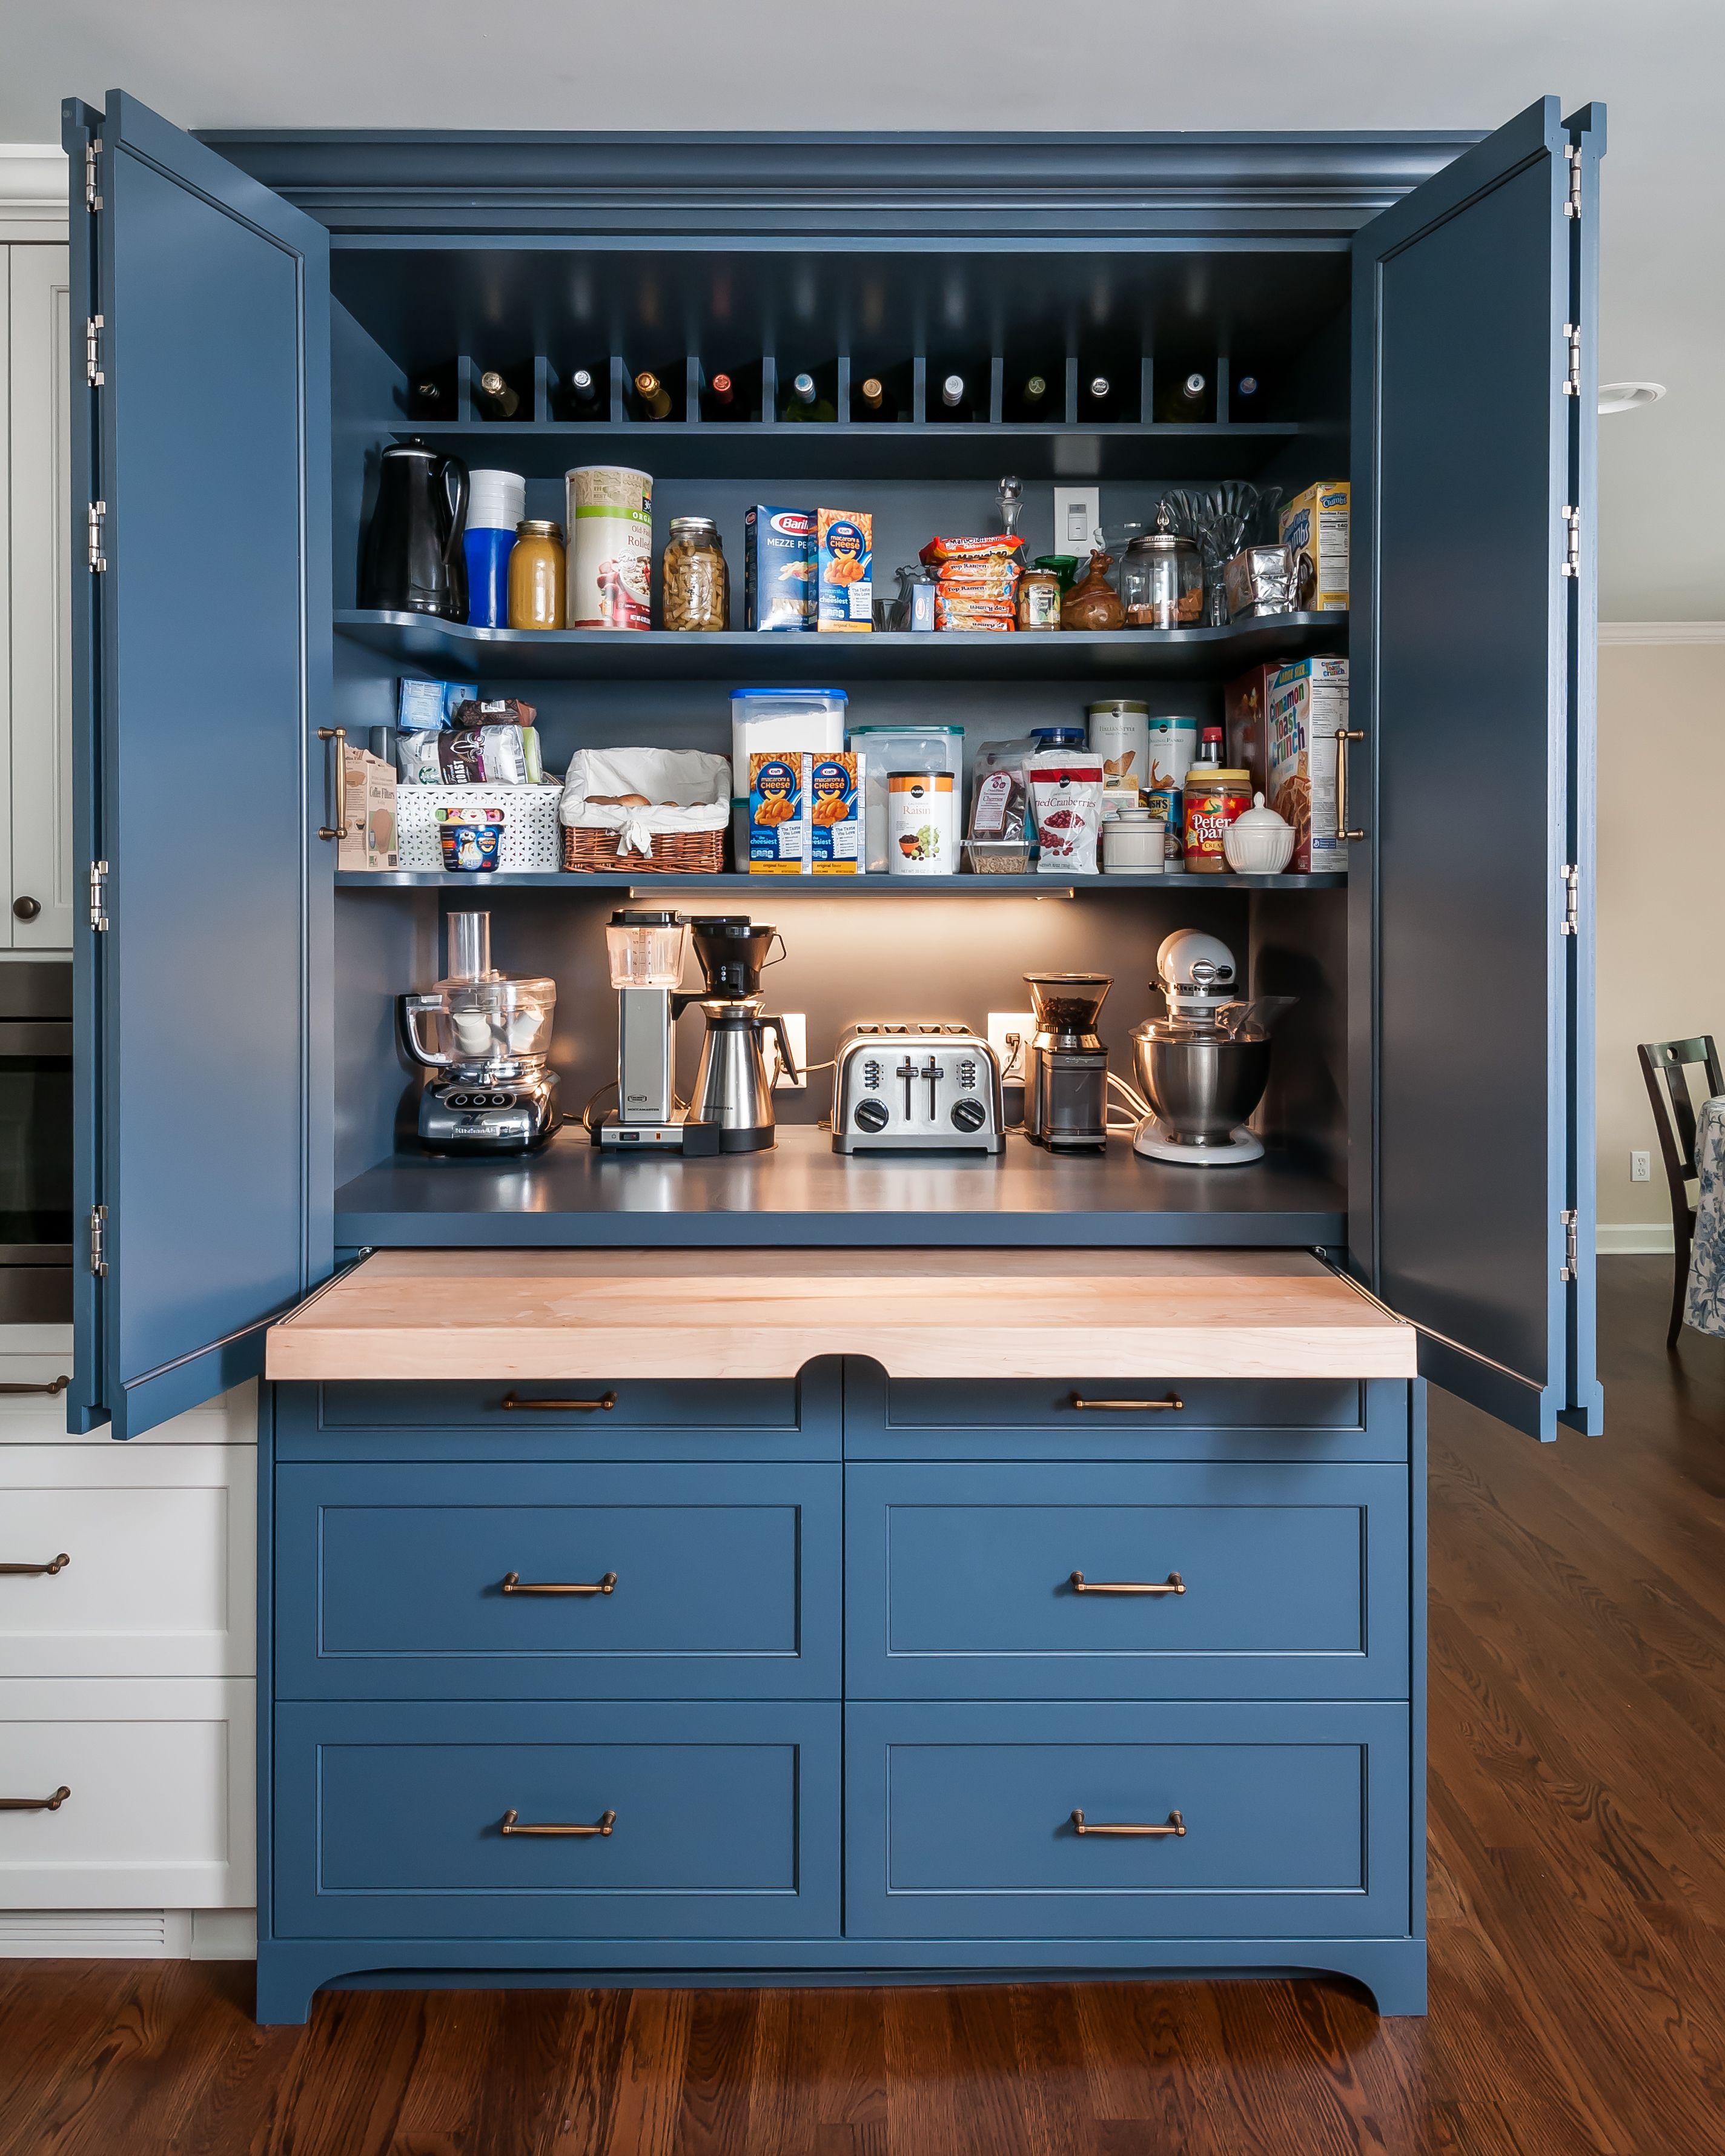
(1308, 709)
(843, 558)
(778, 568)
(778, 818)
(1315, 524)
(832, 790)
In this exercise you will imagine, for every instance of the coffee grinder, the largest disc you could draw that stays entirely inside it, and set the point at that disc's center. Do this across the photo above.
(648, 948)
(1066, 1084)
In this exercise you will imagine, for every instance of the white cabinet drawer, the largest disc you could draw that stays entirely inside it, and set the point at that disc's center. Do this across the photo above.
(159, 1545)
(160, 1774)
(230, 1418)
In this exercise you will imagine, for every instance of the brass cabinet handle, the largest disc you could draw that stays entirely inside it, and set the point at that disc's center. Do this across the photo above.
(338, 735)
(1173, 1584)
(1343, 735)
(1176, 1827)
(53, 1387)
(566, 1407)
(1172, 1402)
(513, 1584)
(511, 1824)
(36, 1804)
(58, 1564)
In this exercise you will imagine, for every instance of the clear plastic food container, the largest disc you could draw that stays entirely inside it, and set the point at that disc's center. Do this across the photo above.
(886, 749)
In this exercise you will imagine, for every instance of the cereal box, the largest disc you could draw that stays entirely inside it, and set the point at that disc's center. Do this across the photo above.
(832, 789)
(844, 556)
(778, 823)
(778, 568)
(1308, 708)
(1245, 703)
(1315, 524)
(369, 840)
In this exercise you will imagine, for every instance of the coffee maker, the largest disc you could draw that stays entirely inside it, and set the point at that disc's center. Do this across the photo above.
(484, 1036)
(648, 948)
(732, 1089)
(1066, 1083)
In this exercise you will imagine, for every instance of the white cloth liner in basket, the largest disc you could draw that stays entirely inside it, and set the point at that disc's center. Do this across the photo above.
(530, 838)
(686, 790)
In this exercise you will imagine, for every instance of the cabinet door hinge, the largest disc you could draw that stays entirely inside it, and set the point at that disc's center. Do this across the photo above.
(92, 179)
(97, 1239)
(1572, 379)
(1572, 208)
(98, 559)
(99, 895)
(93, 373)
(1572, 540)
(1571, 925)
(1572, 1258)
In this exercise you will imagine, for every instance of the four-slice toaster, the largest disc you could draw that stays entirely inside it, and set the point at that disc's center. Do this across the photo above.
(916, 1087)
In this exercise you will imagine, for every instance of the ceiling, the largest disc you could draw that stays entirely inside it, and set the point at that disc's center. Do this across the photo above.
(1322, 65)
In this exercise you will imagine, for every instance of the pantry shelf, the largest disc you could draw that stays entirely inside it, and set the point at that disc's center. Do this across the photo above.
(454, 651)
(675, 449)
(811, 887)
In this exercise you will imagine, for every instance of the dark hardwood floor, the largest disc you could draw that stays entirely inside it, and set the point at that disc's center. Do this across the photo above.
(1578, 1920)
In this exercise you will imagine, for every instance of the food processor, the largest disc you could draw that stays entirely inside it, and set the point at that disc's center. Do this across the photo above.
(485, 1036)
(1203, 1069)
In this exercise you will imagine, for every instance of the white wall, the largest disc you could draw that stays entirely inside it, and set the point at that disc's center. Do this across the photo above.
(1661, 888)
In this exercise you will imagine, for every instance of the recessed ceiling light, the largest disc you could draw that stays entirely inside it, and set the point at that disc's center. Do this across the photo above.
(1628, 395)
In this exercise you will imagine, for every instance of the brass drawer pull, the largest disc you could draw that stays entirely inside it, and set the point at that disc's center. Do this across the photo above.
(54, 1387)
(510, 1824)
(1176, 1828)
(59, 1564)
(563, 1407)
(513, 1584)
(1126, 1407)
(1173, 1584)
(338, 765)
(36, 1804)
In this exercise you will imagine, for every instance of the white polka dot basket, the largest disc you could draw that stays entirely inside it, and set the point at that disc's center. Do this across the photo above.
(531, 838)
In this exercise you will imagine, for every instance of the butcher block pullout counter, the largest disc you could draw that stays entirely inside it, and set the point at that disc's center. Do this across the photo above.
(580, 1314)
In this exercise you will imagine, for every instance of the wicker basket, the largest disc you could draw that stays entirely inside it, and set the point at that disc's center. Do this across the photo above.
(590, 852)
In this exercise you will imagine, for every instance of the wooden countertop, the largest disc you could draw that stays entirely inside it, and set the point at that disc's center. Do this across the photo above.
(709, 1314)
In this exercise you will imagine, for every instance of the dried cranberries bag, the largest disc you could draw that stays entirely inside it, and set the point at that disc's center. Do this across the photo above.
(1066, 796)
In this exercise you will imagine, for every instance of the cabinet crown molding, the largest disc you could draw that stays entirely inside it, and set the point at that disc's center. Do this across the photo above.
(32, 183)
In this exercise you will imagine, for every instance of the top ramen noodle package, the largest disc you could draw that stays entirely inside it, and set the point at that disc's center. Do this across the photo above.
(1308, 708)
(1066, 796)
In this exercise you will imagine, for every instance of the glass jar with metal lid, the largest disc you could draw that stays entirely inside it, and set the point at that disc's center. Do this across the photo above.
(1161, 579)
(695, 590)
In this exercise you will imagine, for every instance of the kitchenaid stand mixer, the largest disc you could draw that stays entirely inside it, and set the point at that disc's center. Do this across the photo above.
(1203, 1069)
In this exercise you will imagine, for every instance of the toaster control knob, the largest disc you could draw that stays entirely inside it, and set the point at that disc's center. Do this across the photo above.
(968, 1114)
(871, 1116)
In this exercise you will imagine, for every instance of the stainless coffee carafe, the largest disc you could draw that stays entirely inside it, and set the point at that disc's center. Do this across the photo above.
(731, 1087)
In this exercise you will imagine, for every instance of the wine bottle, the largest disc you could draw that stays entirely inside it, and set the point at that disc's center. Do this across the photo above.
(495, 398)
(1036, 394)
(583, 393)
(1183, 401)
(1101, 388)
(1246, 388)
(429, 402)
(804, 401)
(872, 396)
(722, 391)
(655, 398)
(954, 395)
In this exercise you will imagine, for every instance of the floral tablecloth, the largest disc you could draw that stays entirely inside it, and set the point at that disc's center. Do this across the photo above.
(1705, 1309)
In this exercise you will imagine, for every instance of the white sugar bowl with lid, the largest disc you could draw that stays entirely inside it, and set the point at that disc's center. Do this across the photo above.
(1259, 842)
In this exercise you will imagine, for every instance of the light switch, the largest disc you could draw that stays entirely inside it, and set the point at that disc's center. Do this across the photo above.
(1077, 519)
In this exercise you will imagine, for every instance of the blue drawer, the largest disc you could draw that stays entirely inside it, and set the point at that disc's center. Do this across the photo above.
(645, 1419)
(389, 1822)
(1294, 1581)
(959, 1822)
(404, 1583)
(1150, 1418)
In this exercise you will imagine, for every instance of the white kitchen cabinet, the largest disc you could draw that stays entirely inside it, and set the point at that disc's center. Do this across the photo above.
(35, 480)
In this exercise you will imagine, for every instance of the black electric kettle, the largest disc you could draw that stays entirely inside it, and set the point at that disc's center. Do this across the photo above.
(414, 562)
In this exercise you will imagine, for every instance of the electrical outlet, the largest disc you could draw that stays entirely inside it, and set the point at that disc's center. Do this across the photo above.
(1077, 520)
(796, 1026)
(1641, 1168)
(1009, 1036)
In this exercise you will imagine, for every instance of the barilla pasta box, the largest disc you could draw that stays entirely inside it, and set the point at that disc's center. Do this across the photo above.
(833, 790)
(1308, 709)
(779, 822)
(778, 568)
(1315, 524)
(843, 558)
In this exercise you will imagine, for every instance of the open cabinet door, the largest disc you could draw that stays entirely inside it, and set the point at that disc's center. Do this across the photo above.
(1475, 397)
(200, 666)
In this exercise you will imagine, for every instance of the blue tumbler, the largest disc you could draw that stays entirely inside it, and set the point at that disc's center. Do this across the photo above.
(497, 501)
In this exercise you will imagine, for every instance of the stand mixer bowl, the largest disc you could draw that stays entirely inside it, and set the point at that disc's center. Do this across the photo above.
(1202, 1084)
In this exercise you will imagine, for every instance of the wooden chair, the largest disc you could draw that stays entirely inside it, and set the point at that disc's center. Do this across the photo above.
(1674, 1117)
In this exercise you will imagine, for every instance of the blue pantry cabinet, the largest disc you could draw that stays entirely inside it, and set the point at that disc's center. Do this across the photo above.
(834, 1700)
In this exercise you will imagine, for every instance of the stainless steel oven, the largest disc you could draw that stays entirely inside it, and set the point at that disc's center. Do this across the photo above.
(36, 1142)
